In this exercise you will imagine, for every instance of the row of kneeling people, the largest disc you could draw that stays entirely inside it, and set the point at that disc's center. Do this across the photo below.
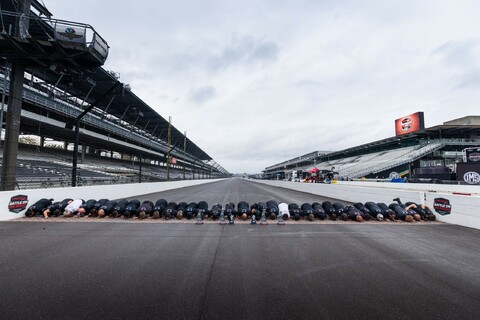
(397, 210)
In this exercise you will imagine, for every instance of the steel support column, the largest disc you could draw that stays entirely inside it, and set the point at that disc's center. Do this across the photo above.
(140, 169)
(12, 130)
(77, 132)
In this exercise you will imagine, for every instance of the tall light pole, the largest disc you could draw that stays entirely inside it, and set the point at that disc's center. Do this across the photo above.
(169, 138)
(184, 153)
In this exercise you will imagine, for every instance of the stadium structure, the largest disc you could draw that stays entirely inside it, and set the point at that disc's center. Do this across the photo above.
(435, 154)
(53, 86)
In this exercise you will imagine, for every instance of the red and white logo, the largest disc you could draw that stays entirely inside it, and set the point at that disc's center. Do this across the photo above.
(442, 206)
(406, 124)
(474, 157)
(18, 203)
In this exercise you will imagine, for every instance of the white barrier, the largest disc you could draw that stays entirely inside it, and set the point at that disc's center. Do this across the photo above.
(461, 210)
(448, 207)
(425, 187)
(457, 209)
(350, 193)
(22, 199)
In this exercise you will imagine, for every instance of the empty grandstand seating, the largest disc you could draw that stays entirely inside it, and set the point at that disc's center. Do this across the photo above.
(359, 166)
(50, 167)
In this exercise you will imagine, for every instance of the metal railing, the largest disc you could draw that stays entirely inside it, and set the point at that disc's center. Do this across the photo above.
(68, 34)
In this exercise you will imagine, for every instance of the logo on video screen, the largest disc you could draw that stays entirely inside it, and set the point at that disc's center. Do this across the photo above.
(474, 157)
(18, 203)
(406, 124)
(442, 206)
(410, 123)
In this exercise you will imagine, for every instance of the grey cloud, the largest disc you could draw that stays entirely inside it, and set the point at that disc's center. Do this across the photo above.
(458, 54)
(265, 51)
(203, 94)
(307, 83)
(245, 50)
(462, 56)
(469, 80)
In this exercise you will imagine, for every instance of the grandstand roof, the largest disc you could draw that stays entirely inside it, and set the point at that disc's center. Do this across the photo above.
(78, 72)
(448, 130)
(455, 129)
(468, 120)
(73, 67)
(435, 132)
(125, 105)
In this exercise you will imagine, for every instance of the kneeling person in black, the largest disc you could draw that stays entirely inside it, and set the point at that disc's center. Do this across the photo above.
(159, 208)
(330, 210)
(191, 210)
(131, 208)
(294, 211)
(56, 208)
(87, 207)
(119, 208)
(318, 211)
(145, 209)
(94, 211)
(38, 207)
(243, 210)
(272, 209)
(107, 208)
(388, 213)
(216, 211)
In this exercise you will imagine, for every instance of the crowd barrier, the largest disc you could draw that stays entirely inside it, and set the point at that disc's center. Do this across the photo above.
(15, 202)
(456, 204)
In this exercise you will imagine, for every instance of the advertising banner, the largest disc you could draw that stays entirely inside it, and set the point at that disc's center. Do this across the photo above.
(469, 172)
(18, 203)
(411, 123)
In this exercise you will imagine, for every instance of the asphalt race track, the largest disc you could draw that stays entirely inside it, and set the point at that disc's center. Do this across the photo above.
(235, 190)
(71, 269)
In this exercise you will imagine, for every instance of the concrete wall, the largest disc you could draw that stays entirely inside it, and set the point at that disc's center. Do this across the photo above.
(465, 210)
(89, 192)
(464, 201)
(447, 188)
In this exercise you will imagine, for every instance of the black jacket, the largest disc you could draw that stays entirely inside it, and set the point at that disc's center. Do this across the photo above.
(38, 207)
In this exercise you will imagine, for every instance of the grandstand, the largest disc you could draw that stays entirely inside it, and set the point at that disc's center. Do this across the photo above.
(52, 167)
(63, 87)
(399, 156)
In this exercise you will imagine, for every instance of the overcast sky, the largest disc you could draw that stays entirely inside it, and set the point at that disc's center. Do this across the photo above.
(257, 82)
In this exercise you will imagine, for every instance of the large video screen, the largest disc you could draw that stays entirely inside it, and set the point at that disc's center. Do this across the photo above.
(410, 123)
(473, 154)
